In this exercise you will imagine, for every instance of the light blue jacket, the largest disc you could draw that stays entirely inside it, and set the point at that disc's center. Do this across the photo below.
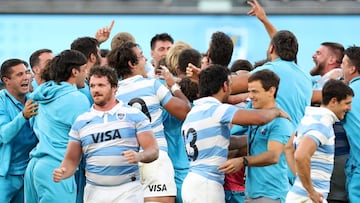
(16, 136)
(59, 105)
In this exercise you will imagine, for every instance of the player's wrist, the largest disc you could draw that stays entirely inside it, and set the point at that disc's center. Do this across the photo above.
(245, 161)
(175, 87)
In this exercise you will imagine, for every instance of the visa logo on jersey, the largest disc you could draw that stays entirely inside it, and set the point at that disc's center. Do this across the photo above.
(106, 136)
(157, 188)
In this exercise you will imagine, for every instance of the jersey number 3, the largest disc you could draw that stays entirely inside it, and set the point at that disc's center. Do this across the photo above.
(191, 151)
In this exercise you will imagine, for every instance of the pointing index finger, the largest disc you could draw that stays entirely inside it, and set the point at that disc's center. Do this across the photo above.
(111, 25)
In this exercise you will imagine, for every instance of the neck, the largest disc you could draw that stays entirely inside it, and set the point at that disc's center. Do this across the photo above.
(71, 80)
(219, 96)
(129, 75)
(38, 79)
(20, 97)
(327, 69)
(269, 105)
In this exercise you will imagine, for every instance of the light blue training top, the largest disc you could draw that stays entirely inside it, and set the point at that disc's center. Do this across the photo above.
(351, 122)
(59, 106)
(295, 88)
(16, 136)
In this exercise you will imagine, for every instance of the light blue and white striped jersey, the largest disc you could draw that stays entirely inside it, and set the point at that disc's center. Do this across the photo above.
(206, 131)
(148, 95)
(104, 136)
(318, 125)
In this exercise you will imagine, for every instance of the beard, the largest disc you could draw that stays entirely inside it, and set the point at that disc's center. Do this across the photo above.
(317, 69)
(99, 101)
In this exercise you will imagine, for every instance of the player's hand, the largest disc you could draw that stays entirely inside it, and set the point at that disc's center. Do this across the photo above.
(103, 34)
(193, 72)
(30, 109)
(284, 114)
(316, 197)
(231, 165)
(256, 10)
(58, 174)
(132, 157)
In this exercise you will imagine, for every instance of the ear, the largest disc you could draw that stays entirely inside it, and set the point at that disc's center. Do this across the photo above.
(272, 90)
(225, 86)
(208, 58)
(152, 53)
(5, 79)
(332, 59)
(92, 58)
(333, 101)
(36, 69)
(271, 48)
(131, 64)
(74, 72)
(353, 70)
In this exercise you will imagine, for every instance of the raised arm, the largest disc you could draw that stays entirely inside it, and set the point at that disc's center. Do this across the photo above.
(173, 86)
(258, 11)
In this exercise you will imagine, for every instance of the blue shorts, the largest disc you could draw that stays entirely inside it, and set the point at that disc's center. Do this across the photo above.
(234, 196)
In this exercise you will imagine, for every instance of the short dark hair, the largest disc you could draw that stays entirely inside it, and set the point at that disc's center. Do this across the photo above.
(189, 88)
(353, 53)
(241, 64)
(7, 67)
(106, 71)
(86, 45)
(267, 79)
(119, 58)
(160, 37)
(286, 45)
(212, 79)
(187, 56)
(337, 49)
(221, 49)
(34, 58)
(59, 69)
(335, 89)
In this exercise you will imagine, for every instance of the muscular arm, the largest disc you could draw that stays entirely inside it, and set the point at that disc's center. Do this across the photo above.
(239, 83)
(316, 97)
(148, 142)
(271, 156)
(264, 159)
(70, 163)
(170, 81)
(238, 142)
(177, 107)
(257, 117)
(289, 151)
(237, 98)
(258, 11)
(302, 157)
